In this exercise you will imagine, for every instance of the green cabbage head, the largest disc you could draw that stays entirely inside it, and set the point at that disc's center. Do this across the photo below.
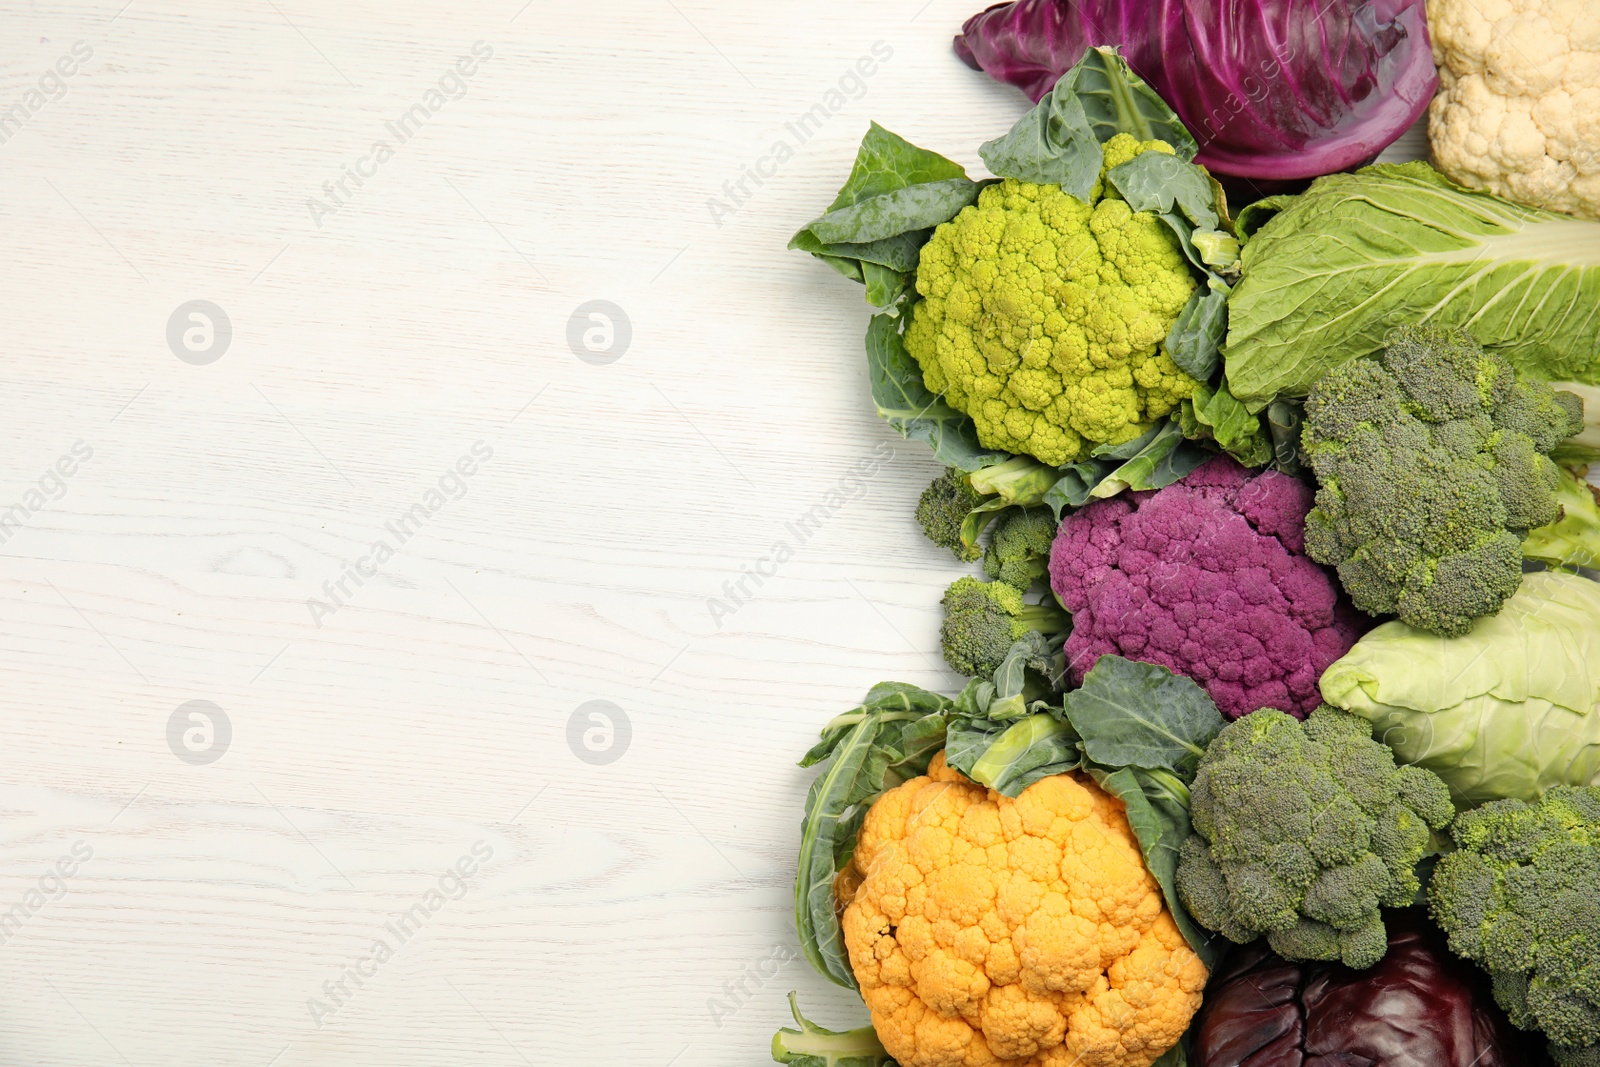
(1508, 710)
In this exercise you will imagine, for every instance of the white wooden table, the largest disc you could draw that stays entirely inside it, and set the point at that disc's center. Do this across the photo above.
(276, 882)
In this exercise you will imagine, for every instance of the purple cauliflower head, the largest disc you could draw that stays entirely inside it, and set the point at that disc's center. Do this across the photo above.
(1208, 578)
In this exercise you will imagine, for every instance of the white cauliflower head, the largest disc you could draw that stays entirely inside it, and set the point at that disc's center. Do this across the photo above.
(1518, 109)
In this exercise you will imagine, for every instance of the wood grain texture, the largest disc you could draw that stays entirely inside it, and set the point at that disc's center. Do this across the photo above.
(630, 913)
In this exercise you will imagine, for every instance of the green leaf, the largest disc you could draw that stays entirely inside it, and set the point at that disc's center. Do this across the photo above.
(1078, 480)
(1398, 244)
(1257, 214)
(1058, 142)
(1157, 182)
(1128, 449)
(1218, 416)
(1020, 481)
(1054, 144)
(1158, 811)
(812, 1046)
(1011, 759)
(886, 741)
(895, 701)
(1195, 341)
(1116, 100)
(914, 412)
(1574, 539)
(1153, 460)
(1166, 458)
(1283, 424)
(1000, 738)
(887, 162)
(885, 286)
(898, 253)
(888, 214)
(875, 229)
(1141, 715)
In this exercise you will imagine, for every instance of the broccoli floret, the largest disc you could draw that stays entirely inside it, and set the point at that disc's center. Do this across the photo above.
(1019, 548)
(1303, 831)
(982, 620)
(1433, 464)
(1518, 898)
(942, 509)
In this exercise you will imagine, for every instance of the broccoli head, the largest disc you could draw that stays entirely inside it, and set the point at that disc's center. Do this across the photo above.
(1044, 317)
(1519, 898)
(1019, 548)
(982, 620)
(1433, 464)
(943, 509)
(1302, 831)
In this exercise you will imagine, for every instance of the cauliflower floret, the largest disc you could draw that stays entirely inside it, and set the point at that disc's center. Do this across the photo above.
(1518, 109)
(1043, 317)
(987, 931)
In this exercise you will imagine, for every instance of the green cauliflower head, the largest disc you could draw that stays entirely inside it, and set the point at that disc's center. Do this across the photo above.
(1433, 463)
(1519, 898)
(1303, 831)
(1044, 317)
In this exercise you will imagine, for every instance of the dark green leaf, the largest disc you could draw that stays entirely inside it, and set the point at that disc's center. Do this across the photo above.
(812, 1046)
(886, 741)
(876, 227)
(1141, 715)
(1154, 460)
(1157, 182)
(885, 286)
(1162, 461)
(1008, 759)
(1158, 811)
(1219, 416)
(1283, 423)
(1128, 449)
(914, 207)
(1256, 215)
(915, 413)
(1195, 341)
(901, 252)
(886, 162)
(895, 700)
(1077, 481)
(1116, 100)
(1054, 144)
(827, 804)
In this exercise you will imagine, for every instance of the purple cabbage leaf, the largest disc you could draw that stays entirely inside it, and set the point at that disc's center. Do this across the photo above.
(1273, 90)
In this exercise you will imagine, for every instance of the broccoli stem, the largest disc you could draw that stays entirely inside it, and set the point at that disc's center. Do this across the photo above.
(1049, 618)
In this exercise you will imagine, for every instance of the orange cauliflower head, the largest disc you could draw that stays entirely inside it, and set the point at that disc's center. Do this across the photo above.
(986, 930)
